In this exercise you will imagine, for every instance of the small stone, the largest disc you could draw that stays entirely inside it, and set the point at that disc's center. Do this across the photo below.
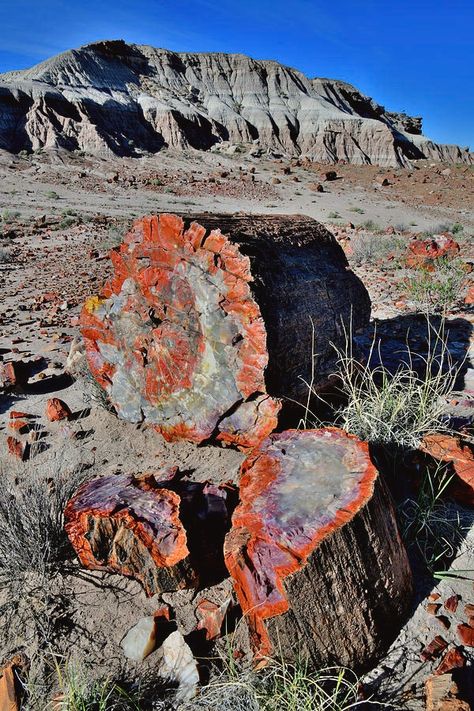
(442, 694)
(140, 640)
(434, 596)
(17, 448)
(329, 175)
(451, 604)
(177, 665)
(57, 409)
(469, 609)
(18, 426)
(432, 608)
(453, 659)
(211, 617)
(466, 635)
(434, 648)
(17, 415)
(8, 376)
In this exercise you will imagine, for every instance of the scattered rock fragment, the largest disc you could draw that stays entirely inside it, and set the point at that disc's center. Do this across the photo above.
(177, 665)
(453, 659)
(211, 617)
(434, 649)
(17, 448)
(57, 410)
(140, 640)
(452, 602)
(425, 253)
(466, 634)
(450, 448)
(442, 694)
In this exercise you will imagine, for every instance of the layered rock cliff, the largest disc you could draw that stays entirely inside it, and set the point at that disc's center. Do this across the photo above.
(131, 99)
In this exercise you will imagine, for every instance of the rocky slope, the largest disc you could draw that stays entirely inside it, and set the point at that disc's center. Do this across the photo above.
(131, 99)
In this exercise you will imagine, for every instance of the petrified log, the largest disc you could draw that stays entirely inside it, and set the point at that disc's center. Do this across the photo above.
(206, 323)
(166, 533)
(314, 552)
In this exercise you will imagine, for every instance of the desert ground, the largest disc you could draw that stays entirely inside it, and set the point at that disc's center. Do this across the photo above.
(60, 214)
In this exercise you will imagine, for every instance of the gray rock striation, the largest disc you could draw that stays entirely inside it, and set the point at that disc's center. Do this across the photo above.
(125, 99)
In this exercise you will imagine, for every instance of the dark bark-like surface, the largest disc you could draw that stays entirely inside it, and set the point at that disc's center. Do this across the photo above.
(314, 552)
(207, 322)
(301, 279)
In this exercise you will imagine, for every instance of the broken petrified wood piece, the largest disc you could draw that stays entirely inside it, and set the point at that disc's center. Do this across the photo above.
(314, 552)
(205, 324)
(164, 532)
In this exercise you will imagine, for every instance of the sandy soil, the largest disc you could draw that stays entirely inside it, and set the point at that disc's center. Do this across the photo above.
(60, 215)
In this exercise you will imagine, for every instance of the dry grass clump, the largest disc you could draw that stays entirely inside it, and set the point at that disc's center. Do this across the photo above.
(282, 686)
(430, 524)
(437, 291)
(370, 249)
(34, 549)
(393, 408)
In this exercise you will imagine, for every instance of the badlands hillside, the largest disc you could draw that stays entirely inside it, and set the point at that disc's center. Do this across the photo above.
(111, 97)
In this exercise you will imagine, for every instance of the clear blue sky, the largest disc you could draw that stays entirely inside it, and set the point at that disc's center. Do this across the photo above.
(416, 56)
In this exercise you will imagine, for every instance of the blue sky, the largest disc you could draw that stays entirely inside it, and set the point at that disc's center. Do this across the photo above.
(413, 56)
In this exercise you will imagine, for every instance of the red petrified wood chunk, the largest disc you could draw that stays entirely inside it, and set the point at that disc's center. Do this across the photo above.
(121, 524)
(314, 532)
(453, 659)
(466, 634)
(57, 409)
(211, 616)
(451, 603)
(424, 253)
(195, 332)
(17, 448)
(447, 448)
(152, 528)
(434, 649)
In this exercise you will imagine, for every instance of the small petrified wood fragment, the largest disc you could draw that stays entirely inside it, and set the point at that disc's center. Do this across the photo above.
(314, 552)
(154, 528)
(205, 324)
(120, 524)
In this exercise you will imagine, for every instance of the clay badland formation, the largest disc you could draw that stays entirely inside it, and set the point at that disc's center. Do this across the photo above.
(113, 97)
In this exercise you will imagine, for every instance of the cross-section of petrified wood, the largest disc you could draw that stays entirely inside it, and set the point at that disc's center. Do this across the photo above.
(206, 323)
(153, 528)
(314, 551)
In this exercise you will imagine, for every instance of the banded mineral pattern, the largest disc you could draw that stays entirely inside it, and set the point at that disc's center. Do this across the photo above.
(176, 338)
(307, 541)
(129, 525)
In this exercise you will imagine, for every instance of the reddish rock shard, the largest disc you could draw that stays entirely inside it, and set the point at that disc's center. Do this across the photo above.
(17, 448)
(424, 253)
(453, 659)
(57, 410)
(200, 331)
(447, 448)
(314, 552)
(123, 524)
(211, 617)
(165, 533)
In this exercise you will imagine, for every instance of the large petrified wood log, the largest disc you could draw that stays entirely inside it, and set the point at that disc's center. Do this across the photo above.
(165, 532)
(314, 552)
(205, 323)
